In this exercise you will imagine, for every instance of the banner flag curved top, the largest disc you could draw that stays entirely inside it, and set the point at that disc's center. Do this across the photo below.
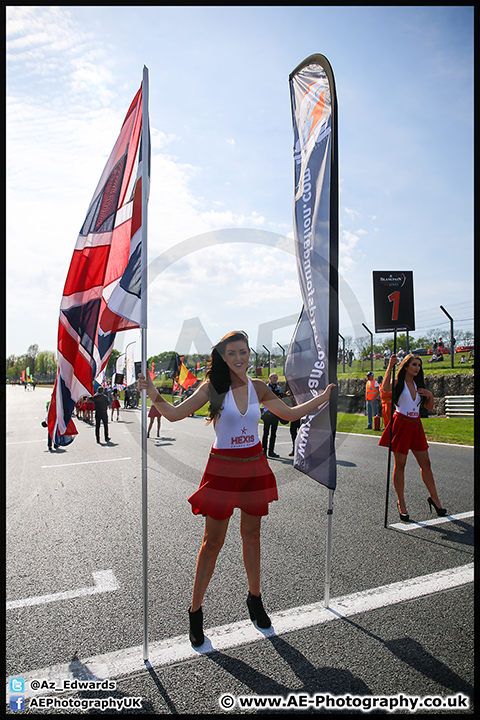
(312, 357)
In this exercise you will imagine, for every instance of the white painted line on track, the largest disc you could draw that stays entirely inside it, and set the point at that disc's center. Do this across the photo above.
(85, 462)
(178, 649)
(103, 581)
(430, 442)
(412, 525)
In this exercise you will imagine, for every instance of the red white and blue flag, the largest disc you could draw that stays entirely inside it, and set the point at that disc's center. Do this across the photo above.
(102, 293)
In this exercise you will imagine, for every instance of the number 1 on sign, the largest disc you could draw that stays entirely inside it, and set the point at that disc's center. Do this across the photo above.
(395, 299)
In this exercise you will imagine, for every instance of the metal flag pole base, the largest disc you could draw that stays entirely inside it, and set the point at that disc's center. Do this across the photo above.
(390, 436)
(144, 502)
(329, 547)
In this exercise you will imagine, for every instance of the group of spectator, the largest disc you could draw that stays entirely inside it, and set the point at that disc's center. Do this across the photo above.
(347, 357)
(87, 405)
(105, 399)
(437, 355)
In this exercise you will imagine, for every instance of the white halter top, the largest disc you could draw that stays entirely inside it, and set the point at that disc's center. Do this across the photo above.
(234, 430)
(407, 406)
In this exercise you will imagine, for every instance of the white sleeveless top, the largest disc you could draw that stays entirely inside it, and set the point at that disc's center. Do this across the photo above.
(234, 430)
(407, 406)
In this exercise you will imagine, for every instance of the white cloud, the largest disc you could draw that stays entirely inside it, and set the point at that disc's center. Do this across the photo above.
(353, 214)
(348, 250)
(56, 152)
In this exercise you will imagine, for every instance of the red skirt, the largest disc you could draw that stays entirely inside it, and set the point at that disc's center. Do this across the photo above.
(231, 479)
(115, 404)
(153, 412)
(407, 434)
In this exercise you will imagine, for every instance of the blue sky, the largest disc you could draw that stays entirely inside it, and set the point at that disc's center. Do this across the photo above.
(222, 156)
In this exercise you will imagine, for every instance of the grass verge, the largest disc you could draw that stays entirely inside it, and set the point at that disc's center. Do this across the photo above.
(455, 431)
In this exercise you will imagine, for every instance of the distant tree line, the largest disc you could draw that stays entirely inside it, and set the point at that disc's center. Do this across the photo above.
(43, 364)
(361, 345)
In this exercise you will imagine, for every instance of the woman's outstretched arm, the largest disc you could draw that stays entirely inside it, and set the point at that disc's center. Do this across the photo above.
(283, 411)
(173, 413)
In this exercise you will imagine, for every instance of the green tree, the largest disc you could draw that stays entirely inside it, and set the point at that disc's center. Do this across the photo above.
(46, 363)
(32, 354)
(112, 361)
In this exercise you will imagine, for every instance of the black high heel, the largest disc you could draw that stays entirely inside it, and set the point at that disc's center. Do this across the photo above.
(197, 637)
(257, 611)
(404, 517)
(441, 512)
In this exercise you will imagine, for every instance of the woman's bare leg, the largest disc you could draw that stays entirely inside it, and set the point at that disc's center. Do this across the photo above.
(399, 480)
(213, 538)
(423, 459)
(250, 532)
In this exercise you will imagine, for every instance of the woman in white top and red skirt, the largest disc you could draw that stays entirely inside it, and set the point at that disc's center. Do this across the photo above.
(407, 430)
(237, 473)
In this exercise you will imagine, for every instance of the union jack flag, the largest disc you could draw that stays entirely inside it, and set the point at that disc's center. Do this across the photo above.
(102, 291)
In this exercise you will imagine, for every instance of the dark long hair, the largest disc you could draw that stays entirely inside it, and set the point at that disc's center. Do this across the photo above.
(218, 373)
(402, 371)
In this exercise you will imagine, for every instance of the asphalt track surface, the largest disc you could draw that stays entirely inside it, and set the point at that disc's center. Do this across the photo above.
(399, 625)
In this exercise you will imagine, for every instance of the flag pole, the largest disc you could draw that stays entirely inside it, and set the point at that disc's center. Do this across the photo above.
(390, 435)
(143, 333)
(329, 547)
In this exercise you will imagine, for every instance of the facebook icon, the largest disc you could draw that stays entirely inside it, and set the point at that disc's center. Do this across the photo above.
(17, 703)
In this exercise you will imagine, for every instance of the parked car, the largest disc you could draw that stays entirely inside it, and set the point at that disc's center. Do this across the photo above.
(464, 348)
(420, 351)
(442, 350)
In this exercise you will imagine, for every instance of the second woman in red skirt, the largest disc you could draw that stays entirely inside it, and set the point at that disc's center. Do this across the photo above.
(407, 430)
(237, 473)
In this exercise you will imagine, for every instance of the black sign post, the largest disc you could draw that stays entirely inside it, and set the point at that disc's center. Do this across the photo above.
(394, 310)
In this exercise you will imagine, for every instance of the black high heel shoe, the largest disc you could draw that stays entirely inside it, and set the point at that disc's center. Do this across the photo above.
(404, 517)
(441, 512)
(197, 637)
(257, 611)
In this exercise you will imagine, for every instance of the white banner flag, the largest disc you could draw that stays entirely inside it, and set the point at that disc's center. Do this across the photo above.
(130, 360)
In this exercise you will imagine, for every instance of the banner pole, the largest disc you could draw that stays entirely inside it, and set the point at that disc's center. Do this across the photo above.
(329, 547)
(143, 334)
(390, 435)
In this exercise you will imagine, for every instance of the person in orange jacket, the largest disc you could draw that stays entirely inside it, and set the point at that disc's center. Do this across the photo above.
(372, 395)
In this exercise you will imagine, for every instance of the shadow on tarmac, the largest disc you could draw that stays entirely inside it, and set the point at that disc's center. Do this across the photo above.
(456, 531)
(82, 672)
(315, 680)
(334, 681)
(412, 653)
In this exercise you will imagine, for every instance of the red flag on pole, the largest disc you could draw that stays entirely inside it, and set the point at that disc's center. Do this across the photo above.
(182, 377)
